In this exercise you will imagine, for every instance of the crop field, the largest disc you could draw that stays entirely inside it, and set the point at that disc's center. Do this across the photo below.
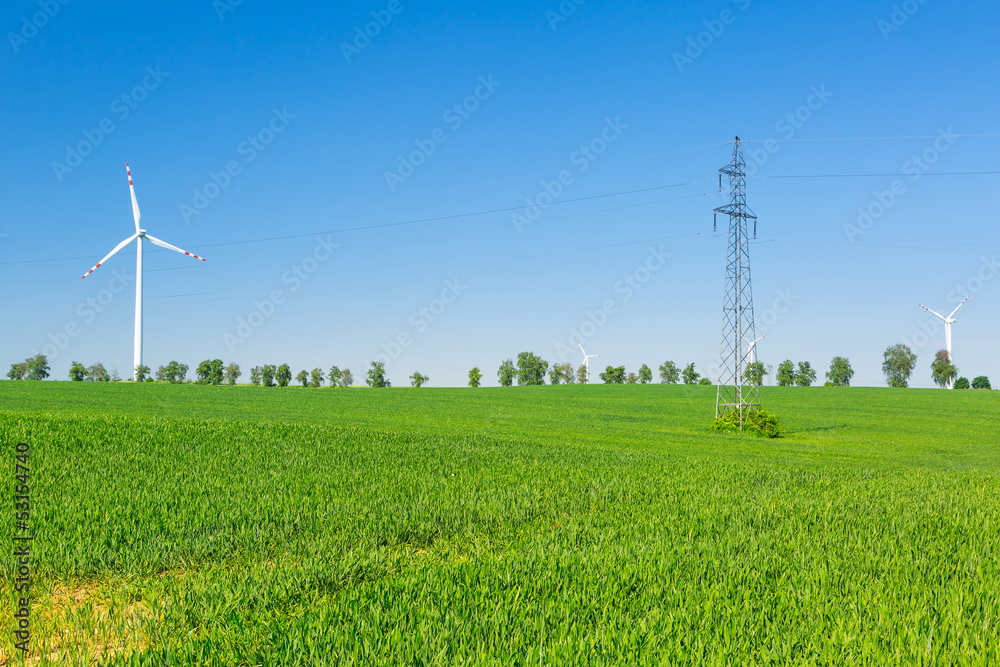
(566, 525)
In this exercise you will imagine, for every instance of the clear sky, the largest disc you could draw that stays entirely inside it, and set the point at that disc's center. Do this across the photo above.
(356, 190)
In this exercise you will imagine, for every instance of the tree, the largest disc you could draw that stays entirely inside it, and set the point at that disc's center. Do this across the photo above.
(613, 375)
(316, 377)
(114, 373)
(897, 365)
(335, 375)
(755, 372)
(475, 377)
(376, 375)
(210, 371)
(669, 374)
(943, 371)
(233, 373)
(97, 373)
(141, 372)
(38, 367)
(531, 369)
(786, 373)
(418, 380)
(77, 372)
(632, 378)
(303, 377)
(981, 382)
(255, 375)
(840, 372)
(18, 371)
(346, 379)
(175, 372)
(267, 375)
(690, 375)
(283, 375)
(561, 374)
(962, 383)
(645, 374)
(506, 373)
(161, 374)
(805, 375)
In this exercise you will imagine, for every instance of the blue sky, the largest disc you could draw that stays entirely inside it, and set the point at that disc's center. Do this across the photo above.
(345, 187)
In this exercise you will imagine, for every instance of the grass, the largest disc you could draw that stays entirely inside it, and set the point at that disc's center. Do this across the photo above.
(538, 525)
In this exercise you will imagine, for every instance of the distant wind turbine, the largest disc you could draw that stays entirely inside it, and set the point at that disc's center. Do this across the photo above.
(948, 321)
(751, 345)
(586, 358)
(139, 235)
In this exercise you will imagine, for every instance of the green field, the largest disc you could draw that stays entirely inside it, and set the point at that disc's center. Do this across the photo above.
(187, 524)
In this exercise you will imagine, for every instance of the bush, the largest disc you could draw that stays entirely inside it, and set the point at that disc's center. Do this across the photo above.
(757, 422)
(962, 383)
(981, 382)
(704, 381)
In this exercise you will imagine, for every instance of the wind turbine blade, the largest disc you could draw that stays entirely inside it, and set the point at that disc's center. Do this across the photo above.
(164, 244)
(932, 312)
(135, 204)
(597, 355)
(108, 256)
(581, 346)
(958, 306)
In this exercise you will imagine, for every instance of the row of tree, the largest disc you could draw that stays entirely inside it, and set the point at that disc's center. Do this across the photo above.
(33, 368)
(899, 361)
(530, 369)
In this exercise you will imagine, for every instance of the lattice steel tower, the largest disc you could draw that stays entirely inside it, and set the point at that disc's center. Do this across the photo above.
(736, 393)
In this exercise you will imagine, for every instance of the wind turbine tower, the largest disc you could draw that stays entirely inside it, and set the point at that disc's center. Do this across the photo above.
(139, 235)
(736, 393)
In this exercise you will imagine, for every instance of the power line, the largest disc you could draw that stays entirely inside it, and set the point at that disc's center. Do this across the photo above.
(933, 243)
(916, 136)
(936, 173)
(470, 275)
(389, 224)
(548, 220)
(866, 195)
(548, 174)
(254, 292)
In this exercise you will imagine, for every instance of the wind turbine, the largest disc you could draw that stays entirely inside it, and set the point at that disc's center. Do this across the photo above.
(752, 344)
(586, 358)
(948, 321)
(139, 235)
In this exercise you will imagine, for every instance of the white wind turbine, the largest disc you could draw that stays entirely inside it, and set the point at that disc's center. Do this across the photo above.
(751, 345)
(586, 358)
(948, 321)
(139, 235)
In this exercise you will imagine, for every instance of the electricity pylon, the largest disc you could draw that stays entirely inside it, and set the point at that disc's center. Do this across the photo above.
(737, 393)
